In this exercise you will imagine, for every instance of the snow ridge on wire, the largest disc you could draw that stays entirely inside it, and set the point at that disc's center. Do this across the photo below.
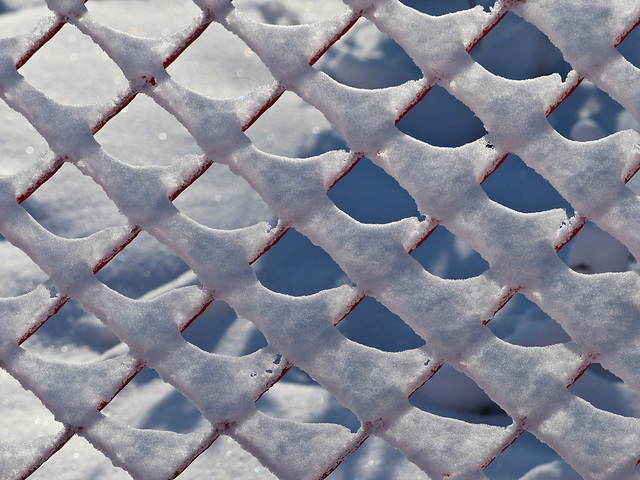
(529, 383)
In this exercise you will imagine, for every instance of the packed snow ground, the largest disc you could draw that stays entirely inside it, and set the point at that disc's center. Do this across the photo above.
(71, 205)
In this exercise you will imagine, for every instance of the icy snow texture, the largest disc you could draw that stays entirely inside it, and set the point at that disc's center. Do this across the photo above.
(599, 312)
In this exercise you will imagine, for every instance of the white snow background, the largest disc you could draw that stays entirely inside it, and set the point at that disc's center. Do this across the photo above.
(71, 69)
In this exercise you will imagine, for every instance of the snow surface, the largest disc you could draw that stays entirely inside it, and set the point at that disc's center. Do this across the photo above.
(523, 360)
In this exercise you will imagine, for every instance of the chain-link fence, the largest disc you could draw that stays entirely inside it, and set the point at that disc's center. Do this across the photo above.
(214, 256)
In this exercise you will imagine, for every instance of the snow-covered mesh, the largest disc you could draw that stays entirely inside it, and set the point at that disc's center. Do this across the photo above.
(600, 313)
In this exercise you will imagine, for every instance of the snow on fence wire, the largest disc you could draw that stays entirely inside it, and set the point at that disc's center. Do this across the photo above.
(599, 312)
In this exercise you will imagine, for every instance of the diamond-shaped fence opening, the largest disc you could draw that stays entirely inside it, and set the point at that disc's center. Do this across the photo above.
(179, 299)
